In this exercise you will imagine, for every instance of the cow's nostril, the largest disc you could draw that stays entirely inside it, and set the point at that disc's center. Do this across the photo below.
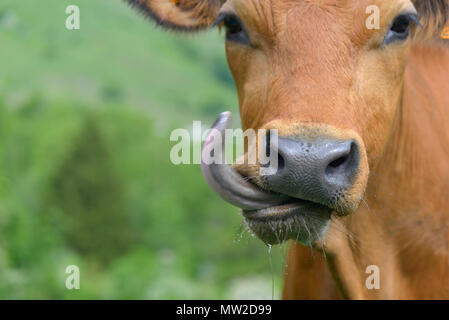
(337, 163)
(340, 170)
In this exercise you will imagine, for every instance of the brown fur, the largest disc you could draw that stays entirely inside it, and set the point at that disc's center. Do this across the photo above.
(312, 64)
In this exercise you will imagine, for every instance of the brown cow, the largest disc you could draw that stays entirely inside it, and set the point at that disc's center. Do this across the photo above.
(363, 136)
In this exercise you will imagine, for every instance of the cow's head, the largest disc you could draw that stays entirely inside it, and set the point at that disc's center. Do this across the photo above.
(326, 78)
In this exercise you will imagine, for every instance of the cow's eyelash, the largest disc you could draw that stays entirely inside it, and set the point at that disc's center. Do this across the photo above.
(221, 17)
(413, 17)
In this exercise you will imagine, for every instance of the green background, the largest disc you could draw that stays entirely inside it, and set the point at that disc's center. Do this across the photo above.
(85, 175)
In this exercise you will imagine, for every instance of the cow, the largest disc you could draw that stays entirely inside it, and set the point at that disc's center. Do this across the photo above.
(361, 116)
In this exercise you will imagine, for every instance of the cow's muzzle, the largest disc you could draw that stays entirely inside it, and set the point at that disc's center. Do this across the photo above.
(313, 177)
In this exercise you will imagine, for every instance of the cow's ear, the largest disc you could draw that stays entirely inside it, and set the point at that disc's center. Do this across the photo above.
(180, 15)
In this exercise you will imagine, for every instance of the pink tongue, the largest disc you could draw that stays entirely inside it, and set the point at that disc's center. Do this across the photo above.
(228, 183)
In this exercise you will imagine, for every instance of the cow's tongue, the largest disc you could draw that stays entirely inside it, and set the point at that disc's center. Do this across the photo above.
(228, 183)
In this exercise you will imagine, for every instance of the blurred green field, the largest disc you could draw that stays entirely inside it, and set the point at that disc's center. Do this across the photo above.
(85, 176)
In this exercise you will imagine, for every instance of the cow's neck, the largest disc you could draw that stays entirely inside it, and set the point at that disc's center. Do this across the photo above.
(402, 227)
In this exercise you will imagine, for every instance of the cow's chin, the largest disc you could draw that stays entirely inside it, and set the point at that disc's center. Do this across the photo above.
(299, 220)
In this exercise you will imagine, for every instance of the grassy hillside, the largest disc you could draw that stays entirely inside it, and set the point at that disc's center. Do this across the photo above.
(116, 55)
(85, 176)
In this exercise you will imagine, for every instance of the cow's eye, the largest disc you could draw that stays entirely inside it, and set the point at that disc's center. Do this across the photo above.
(234, 28)
(400, 28)
(232, 25)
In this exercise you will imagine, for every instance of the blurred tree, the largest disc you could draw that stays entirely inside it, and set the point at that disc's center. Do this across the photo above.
(90, 195)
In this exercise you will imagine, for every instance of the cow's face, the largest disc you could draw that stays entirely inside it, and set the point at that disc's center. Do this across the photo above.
(331, 86)
(326, 78)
